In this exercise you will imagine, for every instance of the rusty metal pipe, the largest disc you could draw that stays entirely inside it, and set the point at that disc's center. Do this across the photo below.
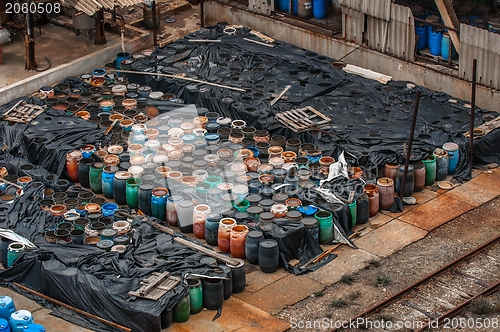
(410, 143)
(202, 13)
(472, 110)
(155, 29)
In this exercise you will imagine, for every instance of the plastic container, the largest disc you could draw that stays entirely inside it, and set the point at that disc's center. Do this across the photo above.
(144, 198)
(410, 181)
(224, 234)
(199, 216)
(72, 160)
(312, 227)
(373, 198)
(108, 176)
(435, 39)
(237, 242)
(119, 187)
(441, 164)
(172, 204)
(421, 31)
(19, 319)
(83, 171)
(15, 249)
(195, 295)
(252, 246)
(268, 256)
(182, 310)
(7, 307)
(363, 208)
(453, 155)
(95, 177)
(213, 293)
(430, 169)
(212, 228)
(185, 216)
(238, 276)
(353, 210)
(159, 203)
(445, 47)
(325, 221)
(132, 192)
(419, 172)
(4, 325)
(33, 328)
(319, 9)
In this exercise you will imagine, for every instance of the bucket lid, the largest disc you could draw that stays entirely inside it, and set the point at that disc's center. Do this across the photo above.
(268, 244)
(310, 222)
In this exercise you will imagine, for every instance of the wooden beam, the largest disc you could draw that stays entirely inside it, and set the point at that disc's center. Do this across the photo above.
(450, 19)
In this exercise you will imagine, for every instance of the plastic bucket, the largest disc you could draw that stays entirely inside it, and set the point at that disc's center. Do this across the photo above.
(319, 9)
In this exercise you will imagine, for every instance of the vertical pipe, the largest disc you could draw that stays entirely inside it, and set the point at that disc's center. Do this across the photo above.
(155, 29)
(202, 13)
(472, 109)
(410, 143)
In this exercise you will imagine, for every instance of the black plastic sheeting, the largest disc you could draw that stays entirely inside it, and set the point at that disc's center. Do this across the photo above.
(370, 121)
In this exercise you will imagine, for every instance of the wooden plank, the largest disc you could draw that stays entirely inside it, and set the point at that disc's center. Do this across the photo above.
(451, 20)
(275, 100)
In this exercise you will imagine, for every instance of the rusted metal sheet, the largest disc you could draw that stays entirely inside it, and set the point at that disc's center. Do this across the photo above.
(480, 44)
(377, 33)
(353, 25)
(353, 4)
(89, 7)
(401, 42)
(377, 8)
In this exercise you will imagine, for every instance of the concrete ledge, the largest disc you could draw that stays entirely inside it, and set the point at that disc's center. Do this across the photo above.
(77, 66)
(321, 43)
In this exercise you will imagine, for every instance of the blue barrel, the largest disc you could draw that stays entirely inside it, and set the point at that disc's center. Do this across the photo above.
(159, 203)
(445, 48)
(435, 38)
(7, 307)
(34, 328)
(421, 31)
(284, 5)
(295, 7)
(119, 58)
(15, 249)
(19, 319)
(4, 325)
(453, 154)
(319, 9)
(108, 175)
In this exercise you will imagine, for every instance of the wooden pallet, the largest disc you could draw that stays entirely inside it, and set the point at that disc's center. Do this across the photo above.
(23, 113)
(303, 119)
(156, 285)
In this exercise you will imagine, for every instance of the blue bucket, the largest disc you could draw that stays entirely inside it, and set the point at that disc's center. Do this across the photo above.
(7, 307)
(421, 31)
(19, 319)
(319, 9)
(453, 155)
(119, 58)
(284, 5)
(445, 48)
(435, 38)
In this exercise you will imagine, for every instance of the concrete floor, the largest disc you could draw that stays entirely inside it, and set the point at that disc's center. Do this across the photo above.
(60, 45)
(267, 294)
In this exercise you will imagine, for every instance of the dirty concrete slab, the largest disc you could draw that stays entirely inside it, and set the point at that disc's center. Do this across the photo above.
(479, 190)
(236, 316)
(436, 212)
(389, 238)
(20, 301)
(379, 219)
(286, 291)
(256, 279)
(349, 261)
(55, 324)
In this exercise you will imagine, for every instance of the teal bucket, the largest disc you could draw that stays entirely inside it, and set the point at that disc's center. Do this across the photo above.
(445, 48)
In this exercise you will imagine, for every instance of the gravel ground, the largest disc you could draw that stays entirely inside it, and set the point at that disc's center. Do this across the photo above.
(358, 292)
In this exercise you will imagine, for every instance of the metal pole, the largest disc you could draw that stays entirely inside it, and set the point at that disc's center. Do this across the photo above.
(410, 142)
(202, 13)
(155, 29)
(472, 109)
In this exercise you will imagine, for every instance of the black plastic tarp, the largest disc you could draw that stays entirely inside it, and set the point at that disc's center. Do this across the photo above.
(370, 120)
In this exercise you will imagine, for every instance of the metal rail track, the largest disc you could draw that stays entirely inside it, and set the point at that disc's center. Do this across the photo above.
(444, 292)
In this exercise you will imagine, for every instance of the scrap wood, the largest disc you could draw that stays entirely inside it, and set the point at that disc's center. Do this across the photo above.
(275, 100)
(487, 127)
(258, 42)
(187, 243)
(262, 36)
(351, 69)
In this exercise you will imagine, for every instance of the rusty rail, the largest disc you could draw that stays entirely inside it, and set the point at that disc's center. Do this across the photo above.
(446, 267)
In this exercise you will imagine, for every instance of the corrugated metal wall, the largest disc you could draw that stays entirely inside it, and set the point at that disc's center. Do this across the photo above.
(484, 46)
(390, 28)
